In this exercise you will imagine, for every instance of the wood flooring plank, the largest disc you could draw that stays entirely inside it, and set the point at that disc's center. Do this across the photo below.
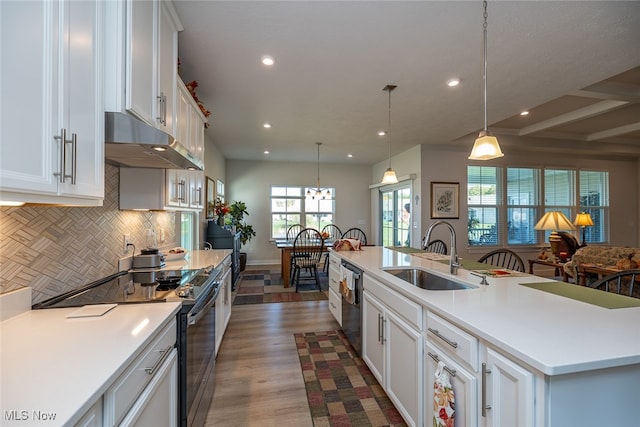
(258, 375)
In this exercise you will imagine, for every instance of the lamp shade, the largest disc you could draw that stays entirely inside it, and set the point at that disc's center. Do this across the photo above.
(554, 221)
(486, 147)
(389, 177)
(583, 219)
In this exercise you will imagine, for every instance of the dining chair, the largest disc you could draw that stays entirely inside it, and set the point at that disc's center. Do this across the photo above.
(293, 231)
(437, 246)
(333, 232)
(623, 282)
(504, 258)
(306, 254)
(355, 233)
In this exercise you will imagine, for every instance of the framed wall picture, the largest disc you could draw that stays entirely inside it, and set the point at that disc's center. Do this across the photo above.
(211, 197)
(445, 200)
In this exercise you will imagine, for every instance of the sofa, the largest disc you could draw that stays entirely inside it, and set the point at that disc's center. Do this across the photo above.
(590, 262)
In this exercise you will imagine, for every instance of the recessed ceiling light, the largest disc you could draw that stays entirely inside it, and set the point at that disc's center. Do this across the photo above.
(382, 133)
(349, 155)
(267, 125)
(267, 60)
(524, 113)
(266, 151)
(453, 82)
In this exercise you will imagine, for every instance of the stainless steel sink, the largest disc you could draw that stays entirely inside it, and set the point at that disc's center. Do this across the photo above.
(425, 280)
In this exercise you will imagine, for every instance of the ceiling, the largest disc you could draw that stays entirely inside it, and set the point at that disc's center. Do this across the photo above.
(574, 65)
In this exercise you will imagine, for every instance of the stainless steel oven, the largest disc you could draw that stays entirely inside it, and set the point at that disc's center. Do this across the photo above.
(197, 290)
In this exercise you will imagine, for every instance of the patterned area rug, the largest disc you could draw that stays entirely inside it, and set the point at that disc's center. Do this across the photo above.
(265, 286)
(341, 389)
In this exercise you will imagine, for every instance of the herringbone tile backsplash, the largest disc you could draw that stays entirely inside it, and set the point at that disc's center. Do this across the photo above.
(56, 249)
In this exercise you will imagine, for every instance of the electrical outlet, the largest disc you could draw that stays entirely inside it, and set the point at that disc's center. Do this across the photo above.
(126, 239)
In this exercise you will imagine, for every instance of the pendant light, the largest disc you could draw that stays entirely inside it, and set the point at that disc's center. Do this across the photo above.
(318, 194)
(389, 176)
(486, 146)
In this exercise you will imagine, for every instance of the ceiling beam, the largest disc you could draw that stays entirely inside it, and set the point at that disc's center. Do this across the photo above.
(610, 133)
(573, 116)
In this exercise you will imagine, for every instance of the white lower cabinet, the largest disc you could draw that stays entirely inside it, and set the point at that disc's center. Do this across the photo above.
(490, 389)
(93, 417)
(393, 348)
(508, 392)
(149, 384)
(158, 403)
(223, 303)
(463, 382)
(335, 297)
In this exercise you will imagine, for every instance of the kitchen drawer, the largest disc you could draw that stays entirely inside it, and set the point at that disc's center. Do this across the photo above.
(335, 305)
(125, 390)
(453, 340)
(407, 309)
(334, 261)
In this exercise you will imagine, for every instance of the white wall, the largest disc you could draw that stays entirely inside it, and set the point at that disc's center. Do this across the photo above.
(250, 182)
(214, 168)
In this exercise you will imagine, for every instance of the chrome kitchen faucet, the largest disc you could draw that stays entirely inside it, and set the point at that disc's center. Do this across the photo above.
(453, 261)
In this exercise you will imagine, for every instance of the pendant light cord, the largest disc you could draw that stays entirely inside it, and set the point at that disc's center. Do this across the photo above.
(484, 26)
(389, 127)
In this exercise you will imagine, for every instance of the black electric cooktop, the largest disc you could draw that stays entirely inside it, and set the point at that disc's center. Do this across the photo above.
(136, 287)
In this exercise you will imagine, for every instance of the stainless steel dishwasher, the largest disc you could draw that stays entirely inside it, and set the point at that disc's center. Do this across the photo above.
(351, 310)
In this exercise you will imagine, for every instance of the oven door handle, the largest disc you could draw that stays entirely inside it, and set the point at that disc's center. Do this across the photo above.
(194, 317)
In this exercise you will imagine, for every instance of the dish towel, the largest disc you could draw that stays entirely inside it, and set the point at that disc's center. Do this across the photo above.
(346, 284)
(444, 404)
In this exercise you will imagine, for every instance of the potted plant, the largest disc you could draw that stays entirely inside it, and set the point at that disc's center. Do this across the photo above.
(237, 211)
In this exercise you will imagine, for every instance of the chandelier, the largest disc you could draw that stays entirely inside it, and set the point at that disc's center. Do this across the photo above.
(319, 193)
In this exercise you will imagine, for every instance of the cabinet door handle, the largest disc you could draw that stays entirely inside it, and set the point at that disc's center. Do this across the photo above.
(181, 190)
(162, 111)
(163, 355)
(435, 357)
(379, 328)
(443, 338)
(74, 158)
(382, 329)
(62, 138)
(485, 372)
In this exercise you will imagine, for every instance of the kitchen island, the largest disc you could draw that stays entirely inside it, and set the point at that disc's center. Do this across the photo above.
(560, 354)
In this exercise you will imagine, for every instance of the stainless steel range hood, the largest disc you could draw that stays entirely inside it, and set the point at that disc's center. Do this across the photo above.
(133, 143)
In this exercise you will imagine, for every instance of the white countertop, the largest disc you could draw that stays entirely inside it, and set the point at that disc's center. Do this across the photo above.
(56, 365)
(553, 334)
(199, 259)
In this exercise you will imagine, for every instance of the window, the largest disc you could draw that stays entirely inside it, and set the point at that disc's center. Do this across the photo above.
(290, 206)
(525, 195)
(594, 200)
(482, 200)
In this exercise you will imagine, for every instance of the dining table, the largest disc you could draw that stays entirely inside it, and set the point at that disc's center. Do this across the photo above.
(286, 249)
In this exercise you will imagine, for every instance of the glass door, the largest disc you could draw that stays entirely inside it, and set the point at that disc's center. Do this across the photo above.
(396, 216)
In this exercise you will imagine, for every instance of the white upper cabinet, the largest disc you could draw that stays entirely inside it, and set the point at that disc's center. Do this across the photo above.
(189, 121)
(142, 56)
(52, 124)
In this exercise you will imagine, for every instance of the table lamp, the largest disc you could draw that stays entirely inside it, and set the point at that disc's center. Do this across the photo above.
(554, 221)
(583, 220)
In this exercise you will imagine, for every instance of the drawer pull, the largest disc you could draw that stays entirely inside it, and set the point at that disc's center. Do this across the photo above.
(435, 357)
(164, 354)
(443, 338)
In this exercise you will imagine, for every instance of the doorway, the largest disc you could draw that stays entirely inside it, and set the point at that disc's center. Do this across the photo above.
(395, 216)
